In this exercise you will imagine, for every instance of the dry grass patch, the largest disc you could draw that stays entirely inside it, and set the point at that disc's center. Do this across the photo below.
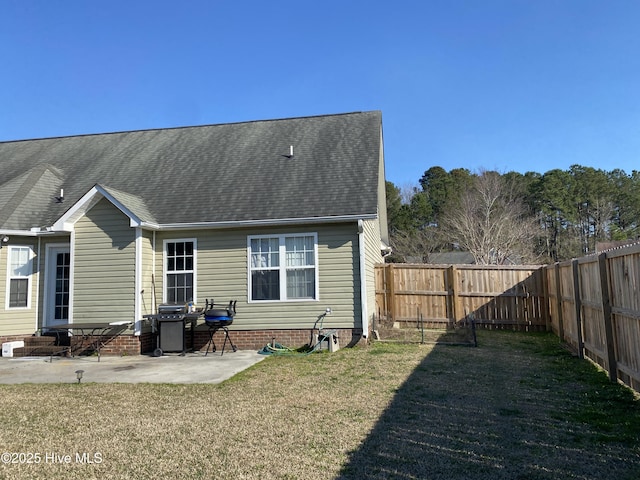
(511, 408)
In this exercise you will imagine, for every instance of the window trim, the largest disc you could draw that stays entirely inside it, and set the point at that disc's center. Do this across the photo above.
(282, 267)
(10, 277)
(165, 269)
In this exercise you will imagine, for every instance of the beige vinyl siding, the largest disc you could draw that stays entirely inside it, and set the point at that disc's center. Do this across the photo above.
(222, 274)
(373, 252)
(103, 266)
(383, 224)
(147, 295)
(16, 321)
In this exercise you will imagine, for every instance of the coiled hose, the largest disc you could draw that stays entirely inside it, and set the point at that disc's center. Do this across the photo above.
(275, 348)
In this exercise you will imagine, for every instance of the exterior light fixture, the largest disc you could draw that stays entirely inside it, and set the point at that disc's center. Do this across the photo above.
(79, 375)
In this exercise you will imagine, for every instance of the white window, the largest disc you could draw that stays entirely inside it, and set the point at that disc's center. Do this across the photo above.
(19, 273)
(283, 267)
(179, 271)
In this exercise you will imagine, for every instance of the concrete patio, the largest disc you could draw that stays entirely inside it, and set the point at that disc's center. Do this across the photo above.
(170, 368)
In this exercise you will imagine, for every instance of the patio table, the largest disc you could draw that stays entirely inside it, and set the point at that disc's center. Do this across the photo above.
(93, 332)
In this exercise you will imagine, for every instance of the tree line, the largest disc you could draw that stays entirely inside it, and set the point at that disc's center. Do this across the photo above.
(511, 217)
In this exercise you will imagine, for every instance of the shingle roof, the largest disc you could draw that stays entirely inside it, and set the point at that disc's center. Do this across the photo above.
(133, 204)
(213, 173)
(25, 201)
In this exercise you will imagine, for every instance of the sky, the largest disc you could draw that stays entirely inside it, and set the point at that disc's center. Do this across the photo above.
(506, 85)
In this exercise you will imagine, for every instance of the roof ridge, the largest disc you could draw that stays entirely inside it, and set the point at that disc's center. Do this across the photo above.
(184, 127)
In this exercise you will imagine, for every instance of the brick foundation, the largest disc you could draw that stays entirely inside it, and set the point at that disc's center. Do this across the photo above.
(242, 339)
(12, 338)
(122, 345)
(256, 339)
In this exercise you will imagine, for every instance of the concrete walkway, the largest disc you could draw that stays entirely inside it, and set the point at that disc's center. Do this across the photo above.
(170, 368)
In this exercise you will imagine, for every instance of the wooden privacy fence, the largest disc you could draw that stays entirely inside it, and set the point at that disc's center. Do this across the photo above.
(595, 307)
(496, 296)
(591, 303)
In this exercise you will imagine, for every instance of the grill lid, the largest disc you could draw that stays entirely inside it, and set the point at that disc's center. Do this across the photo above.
(167, 308)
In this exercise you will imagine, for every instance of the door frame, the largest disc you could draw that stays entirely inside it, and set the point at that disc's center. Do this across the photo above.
(52, 249)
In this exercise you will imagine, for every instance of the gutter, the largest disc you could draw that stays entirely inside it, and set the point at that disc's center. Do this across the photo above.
(257, 223)
(21, 233)
(58, 228)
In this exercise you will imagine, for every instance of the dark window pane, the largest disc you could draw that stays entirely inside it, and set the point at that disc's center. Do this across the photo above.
(265, 285)
(301, 283)
(179, 286)
(18, 292)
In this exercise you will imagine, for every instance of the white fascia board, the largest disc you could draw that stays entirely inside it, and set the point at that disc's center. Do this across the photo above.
(67, 221)
(259, 223)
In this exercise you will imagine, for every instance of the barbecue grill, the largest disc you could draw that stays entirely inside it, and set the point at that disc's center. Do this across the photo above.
(169, 327)
(218, 317)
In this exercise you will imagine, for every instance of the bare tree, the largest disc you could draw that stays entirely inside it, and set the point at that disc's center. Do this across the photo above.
(407, 191)
(414, 246)
(491, 222)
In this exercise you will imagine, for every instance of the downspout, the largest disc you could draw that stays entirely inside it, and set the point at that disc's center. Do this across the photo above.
(138, 284)
(363, 281)
(154, 305)
(40, 270)
(72, 274)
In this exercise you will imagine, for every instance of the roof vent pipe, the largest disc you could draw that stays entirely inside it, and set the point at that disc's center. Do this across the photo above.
(290, 154)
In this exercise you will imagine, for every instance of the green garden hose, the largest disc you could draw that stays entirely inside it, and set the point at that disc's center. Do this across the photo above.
(278, 349)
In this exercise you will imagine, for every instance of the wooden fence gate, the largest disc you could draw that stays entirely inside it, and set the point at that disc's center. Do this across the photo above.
(511, 297)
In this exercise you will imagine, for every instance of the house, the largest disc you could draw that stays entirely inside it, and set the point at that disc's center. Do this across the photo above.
(287, 216)
(456, 258)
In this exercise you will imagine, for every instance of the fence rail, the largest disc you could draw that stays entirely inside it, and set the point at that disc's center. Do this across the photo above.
(497, 297)
(595, 307)
(591, 303)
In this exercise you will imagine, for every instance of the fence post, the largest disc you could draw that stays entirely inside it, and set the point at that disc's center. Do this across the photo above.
(559, 303)
(392, 293)
(544, 307)
(453, 292)
(577, 298)
(608, 316)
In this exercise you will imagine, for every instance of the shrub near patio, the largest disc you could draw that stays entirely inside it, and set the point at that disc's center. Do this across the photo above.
(518, 406)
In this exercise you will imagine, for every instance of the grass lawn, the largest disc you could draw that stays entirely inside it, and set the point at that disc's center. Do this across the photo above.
(517, 407)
